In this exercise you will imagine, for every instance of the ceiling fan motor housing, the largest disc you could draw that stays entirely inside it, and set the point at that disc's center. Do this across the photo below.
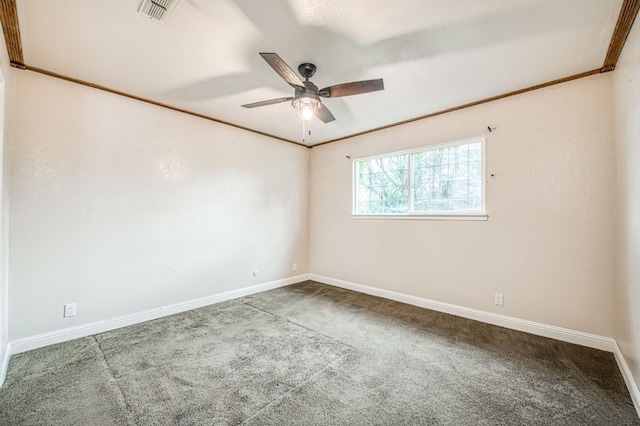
(309, 89)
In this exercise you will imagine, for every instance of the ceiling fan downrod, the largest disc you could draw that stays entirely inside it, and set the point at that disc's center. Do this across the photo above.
(307, 70)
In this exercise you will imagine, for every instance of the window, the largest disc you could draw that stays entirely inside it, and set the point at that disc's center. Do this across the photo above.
(439, 180)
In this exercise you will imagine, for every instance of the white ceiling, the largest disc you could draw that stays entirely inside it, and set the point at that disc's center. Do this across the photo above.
(432, 54)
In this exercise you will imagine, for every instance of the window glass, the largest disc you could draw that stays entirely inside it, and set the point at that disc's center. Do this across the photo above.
(382, 185)
(443, 179)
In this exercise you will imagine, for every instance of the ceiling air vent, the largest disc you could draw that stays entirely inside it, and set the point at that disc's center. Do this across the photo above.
(157, 9)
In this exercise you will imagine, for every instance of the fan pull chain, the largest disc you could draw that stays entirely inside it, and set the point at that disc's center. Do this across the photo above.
(304, 130)
(304, 133)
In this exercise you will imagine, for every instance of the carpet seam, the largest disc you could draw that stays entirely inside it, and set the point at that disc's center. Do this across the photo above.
(292, 390)
(129, 411)
(261, 310)
(320, 334)
(331, 339)
(301, 326)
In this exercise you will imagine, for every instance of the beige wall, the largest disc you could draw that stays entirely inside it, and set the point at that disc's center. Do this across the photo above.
(548, 245)
(626, 85)
(122, 206)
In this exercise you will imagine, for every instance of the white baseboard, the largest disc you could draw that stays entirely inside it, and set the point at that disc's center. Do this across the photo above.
(563, 334)
(553, 332)
(58, 336)
(628, 377)
(558, 333)
(5, 363)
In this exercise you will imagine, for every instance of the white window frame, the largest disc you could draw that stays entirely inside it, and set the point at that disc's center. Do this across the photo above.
(421, 214)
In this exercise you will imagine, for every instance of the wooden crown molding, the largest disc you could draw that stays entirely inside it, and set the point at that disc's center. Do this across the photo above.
(159, 104)
(627, 16)
(11, 28)
(469, 105)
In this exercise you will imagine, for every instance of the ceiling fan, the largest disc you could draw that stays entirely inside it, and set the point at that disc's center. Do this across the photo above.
(306, 98)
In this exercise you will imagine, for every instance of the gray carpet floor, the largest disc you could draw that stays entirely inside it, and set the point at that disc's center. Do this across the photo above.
(311, 354)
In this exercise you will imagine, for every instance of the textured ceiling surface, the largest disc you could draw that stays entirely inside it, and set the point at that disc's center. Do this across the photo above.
(432, 54)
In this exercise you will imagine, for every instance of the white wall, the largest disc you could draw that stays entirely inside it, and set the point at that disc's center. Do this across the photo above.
(122, 206)
(548, 245)
(626, 85)
(6, 97)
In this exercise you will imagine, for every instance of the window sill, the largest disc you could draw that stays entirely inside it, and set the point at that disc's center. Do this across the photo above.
(424, 216)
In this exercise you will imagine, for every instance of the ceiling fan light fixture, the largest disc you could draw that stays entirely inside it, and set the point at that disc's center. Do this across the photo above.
(306, 106)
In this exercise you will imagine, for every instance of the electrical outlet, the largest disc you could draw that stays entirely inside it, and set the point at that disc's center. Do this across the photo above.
(294, 267)
(497, 299)
(70, 310)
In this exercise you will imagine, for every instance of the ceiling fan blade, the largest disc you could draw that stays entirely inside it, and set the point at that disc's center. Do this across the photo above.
(353, 88)
(265, 103)
(324, 114)
(282, 69)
